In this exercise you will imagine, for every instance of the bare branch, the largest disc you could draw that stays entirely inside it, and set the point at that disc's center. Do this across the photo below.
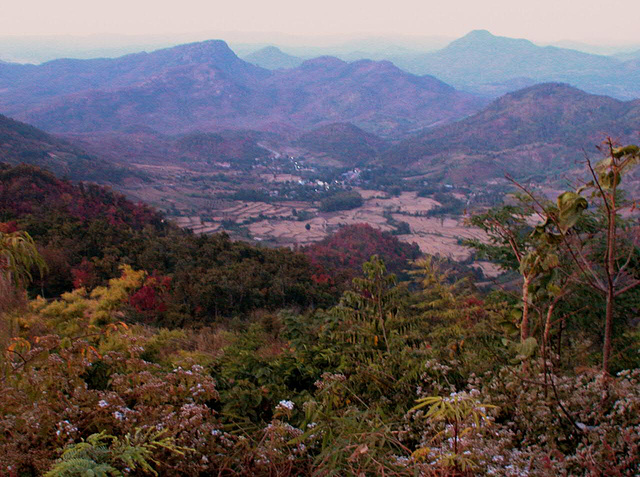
(627, 288)
(626, 263)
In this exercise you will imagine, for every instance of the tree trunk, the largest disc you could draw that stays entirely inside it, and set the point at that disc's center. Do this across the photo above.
(608, 329)
(547, 331)
(611, 262)
(524, 325)
(559, 350)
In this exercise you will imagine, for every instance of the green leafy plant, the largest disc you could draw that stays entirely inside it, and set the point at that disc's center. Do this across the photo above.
(459, 415)
(103, 455)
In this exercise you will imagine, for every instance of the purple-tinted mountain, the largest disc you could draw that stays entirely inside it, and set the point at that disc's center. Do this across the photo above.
(374, 95)
(206, 87)
(31, 84)
(539, 131)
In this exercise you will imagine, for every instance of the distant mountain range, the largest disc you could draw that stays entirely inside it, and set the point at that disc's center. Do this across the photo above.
(539, 132)
(634, 55)
(205, 86)
(201, 103)
(136, 77)
(483, 63)
(273, 58)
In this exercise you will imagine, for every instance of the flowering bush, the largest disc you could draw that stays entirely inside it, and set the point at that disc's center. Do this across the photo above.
(86, 387)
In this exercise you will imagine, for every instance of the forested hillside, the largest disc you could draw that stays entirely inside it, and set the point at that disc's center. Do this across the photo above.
(86, 233)
(348, 249)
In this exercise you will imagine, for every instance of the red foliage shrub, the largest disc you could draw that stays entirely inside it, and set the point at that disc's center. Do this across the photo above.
(344, 252)
(8, 227)
(84, 275)
(150, 298)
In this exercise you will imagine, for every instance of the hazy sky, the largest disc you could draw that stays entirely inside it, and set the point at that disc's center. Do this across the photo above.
(610, 21)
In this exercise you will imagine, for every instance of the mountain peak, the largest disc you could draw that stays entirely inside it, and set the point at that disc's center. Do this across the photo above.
(479, 34)
(479, 38)
(205, 51)
(272, 50)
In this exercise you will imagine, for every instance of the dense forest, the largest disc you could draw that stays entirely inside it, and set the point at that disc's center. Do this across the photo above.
(131, 347)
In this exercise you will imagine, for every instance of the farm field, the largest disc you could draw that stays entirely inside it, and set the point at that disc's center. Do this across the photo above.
(204, 203)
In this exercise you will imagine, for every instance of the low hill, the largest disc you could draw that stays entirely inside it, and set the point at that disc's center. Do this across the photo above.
(542, 130)
(145, 146)
(344, 142)
(232, 146)
(22, 143)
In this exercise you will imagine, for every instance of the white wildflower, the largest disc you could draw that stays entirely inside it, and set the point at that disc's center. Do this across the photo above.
(284, 404)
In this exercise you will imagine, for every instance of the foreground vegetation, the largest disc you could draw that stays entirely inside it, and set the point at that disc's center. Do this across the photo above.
(426, 376)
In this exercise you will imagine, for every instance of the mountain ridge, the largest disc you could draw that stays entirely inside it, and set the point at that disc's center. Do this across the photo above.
(540, 130)
(205, 86)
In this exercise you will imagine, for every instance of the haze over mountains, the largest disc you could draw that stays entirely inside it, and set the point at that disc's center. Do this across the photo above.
(39, 49)
(142, 106)
(491, 65)
(206, 86)
(488, 64)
